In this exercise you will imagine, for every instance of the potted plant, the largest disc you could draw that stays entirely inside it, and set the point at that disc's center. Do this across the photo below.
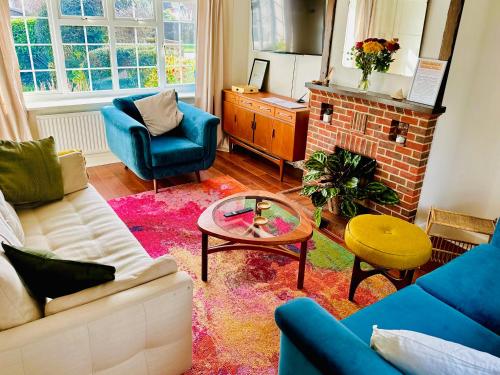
(373, 54)
(344, 178)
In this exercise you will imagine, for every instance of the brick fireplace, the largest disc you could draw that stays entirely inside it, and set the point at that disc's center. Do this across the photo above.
(369, 124)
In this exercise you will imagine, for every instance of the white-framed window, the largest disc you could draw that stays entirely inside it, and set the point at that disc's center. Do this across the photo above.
(85, 46)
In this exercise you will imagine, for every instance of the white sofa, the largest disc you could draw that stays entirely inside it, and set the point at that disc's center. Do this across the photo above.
(138, 324)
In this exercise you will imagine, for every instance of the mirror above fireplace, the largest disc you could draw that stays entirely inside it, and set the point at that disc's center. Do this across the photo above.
(387, 19)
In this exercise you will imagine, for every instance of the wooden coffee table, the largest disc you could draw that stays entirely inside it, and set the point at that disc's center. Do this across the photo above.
(270, 224)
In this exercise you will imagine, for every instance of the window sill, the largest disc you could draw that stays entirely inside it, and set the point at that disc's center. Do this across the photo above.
(56, 102)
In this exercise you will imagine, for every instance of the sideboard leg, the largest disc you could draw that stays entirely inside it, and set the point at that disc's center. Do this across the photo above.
(204, 257)
(282, 169)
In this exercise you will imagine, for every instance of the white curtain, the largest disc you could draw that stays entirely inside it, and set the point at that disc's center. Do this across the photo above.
(13, 116)
(210, 60)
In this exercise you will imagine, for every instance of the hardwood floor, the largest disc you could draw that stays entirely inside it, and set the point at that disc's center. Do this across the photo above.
(253, 171)
(113, 180)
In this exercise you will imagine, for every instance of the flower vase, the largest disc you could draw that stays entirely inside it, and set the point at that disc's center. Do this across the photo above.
(364, 83)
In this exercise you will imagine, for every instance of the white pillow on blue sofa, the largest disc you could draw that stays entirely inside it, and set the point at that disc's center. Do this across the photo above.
(160, 112)
(415, 353)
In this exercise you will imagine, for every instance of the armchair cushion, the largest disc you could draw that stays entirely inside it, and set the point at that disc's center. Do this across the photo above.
(172, 149)
(128, 106)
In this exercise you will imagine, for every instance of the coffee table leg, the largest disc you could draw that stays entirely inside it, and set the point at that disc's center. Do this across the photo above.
(302, 264)
(204, 256)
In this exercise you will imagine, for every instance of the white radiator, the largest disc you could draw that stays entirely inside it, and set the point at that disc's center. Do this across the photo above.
(82, 130)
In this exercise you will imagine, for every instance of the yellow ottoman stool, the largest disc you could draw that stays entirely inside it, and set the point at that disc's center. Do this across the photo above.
(386, 243)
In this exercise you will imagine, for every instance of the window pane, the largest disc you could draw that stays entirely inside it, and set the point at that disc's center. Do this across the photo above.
(124, 9)
(35, 8)
(171, 31)
(99, 57)
(149, 77)
(75, 56)
(27, 82)
(38, 30)
(93, 8)
(72, 34)
(188, 74)
(23, 57)
(101, 79)
(128, 78)
(42, 57)
(19, 30)
(78, 80)
(173, 74)
(146, 35)
(46, 81)
(126, 56)
(188, 33)
(144, 9)
(97, 34)
(71, 8)
(171, 10)
(125, 35)
(147, 55)
(134, 9)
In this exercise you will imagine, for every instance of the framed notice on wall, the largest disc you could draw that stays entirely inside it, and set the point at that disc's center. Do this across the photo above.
(427, 81)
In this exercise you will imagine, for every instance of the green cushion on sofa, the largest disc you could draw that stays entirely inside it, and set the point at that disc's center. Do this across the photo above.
(30, 172)
(46, 275)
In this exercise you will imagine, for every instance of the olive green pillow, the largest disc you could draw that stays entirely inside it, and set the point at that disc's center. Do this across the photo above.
(47, 275)
(30, 172)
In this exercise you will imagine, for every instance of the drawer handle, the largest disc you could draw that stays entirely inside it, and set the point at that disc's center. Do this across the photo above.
(284, 115)
(265, 109)
(244, 102)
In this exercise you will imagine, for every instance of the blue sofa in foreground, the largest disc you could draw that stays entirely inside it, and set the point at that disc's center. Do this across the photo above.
(188, 148)
(459, 302)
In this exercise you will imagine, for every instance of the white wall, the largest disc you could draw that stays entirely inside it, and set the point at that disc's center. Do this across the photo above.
(464, 167)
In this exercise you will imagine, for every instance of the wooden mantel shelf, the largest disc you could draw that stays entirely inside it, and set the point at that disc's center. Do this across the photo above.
(377, 97)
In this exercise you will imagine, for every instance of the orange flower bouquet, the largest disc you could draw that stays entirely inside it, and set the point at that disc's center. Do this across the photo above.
(373, 54)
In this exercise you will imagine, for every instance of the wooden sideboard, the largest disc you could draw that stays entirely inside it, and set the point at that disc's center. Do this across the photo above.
(274, 132)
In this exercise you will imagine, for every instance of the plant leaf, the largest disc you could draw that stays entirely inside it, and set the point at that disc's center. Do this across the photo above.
(375, 187)
(317, 216)
(308, 190)
(351, 183)
(348, 208)
(318, 199)
(312, 175)
(389, 196)
(332, 192)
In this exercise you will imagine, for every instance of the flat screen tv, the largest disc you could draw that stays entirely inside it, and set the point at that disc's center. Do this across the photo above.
(288, 26)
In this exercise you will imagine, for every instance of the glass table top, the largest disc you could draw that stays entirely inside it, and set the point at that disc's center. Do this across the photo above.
(255, 217)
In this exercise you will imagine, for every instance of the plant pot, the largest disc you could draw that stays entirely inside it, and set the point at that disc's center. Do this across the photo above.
(334, 206)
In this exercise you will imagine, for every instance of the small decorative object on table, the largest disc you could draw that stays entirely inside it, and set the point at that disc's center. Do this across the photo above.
(327, 116)
(446, 247)
(373, 54)
(345, 178)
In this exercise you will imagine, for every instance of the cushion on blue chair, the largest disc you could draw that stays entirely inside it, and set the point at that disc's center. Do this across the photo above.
(414, 309)
(470, 284)
(173, 149)
(126, 104)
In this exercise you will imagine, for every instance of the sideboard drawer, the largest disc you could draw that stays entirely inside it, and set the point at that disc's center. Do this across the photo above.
(285, 115)
(230, 97)
(247, 103)
(264, 109)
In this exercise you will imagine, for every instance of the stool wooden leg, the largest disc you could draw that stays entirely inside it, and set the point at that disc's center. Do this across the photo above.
(359, 275)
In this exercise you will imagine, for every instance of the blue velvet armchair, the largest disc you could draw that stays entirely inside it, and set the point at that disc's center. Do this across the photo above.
(188, 148)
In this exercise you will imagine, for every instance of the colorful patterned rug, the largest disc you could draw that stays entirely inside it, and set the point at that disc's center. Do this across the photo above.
(233, 314)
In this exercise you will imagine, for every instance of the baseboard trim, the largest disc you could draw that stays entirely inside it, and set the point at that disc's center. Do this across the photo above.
(101, 158)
